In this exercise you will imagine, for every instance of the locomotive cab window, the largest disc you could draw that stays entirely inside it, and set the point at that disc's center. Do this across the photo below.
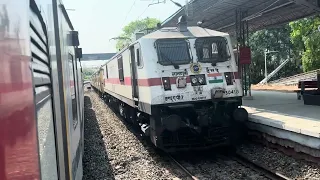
(212, 50)
(120, 68)
(173, 51)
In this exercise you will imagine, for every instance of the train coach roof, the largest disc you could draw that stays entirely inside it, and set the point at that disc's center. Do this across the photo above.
(174, 32)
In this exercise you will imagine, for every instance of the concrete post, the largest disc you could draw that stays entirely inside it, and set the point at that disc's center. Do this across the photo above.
(265, 65)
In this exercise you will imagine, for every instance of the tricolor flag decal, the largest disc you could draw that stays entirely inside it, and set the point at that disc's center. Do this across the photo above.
(215, 78)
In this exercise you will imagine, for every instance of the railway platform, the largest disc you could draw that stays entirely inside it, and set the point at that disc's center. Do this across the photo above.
(282, 116)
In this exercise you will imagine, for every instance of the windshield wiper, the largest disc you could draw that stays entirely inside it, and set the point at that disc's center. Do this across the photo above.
(176, 66)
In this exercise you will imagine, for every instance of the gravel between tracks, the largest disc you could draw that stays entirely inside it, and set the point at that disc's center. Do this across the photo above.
(113, 152)
(277, 161)
(220, 169)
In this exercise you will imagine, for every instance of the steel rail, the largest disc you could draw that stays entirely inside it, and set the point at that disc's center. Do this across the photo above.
(183, 168)
(270, 174)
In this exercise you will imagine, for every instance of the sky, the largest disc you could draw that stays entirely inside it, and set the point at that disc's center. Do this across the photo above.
(100, 20)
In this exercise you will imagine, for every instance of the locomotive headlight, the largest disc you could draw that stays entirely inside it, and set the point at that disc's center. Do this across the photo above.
(201, 79)
(166, 83)
(194, 80)
(197, 80)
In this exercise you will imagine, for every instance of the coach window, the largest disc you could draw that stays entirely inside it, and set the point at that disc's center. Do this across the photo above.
(120, 68)
(73, 91)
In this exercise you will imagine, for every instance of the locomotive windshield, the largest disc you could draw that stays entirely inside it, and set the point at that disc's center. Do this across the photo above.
(173, 51)
(212, 50)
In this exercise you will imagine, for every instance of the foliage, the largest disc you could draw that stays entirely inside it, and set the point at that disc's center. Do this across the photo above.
(299, 41)
(274, 39)
(134, 26)
(306, 40)
(87, 73)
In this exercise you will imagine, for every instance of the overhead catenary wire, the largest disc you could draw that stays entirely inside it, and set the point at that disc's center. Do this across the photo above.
(174, 2)
(134, 2)
(148, 7)
(143, 12)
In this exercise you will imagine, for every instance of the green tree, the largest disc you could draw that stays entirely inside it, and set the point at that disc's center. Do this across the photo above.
(87, 73)
(134, 26)
(273, 39)
(306, 40)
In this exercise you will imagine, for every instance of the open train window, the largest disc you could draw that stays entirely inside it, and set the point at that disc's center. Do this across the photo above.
(120, 68)
(212, 49)
(173, 51)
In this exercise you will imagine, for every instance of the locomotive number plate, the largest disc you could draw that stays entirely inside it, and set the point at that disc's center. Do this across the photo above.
(233, 91)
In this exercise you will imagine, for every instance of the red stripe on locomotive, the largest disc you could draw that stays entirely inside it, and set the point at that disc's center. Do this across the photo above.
(155, 81)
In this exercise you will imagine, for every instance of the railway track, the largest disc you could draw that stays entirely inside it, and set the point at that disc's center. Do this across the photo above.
(187, 172)
(259, 168)
(239, 158)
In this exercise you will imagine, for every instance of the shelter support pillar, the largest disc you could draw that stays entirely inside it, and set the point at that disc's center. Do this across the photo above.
(242, 36)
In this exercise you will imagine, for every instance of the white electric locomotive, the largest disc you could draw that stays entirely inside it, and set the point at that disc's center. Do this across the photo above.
(180, 84)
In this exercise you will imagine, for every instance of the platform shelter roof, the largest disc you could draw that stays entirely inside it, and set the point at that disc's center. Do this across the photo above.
(220, 15)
